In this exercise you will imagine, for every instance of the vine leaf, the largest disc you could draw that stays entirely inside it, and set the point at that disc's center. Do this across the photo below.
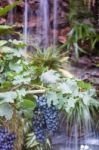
(15, 67)
(70, 104)
(50, 77)
(28, 104)
(6, 111)
(52, 97)
(7, 97)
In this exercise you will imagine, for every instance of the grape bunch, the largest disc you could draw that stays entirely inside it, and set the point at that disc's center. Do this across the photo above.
(52, 119)
(6, 139)
(45, 119)
(39, 125)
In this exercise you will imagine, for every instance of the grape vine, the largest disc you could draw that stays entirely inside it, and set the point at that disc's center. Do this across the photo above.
(45, 119)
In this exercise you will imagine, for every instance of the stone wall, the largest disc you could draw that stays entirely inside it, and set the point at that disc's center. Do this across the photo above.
(35, 21)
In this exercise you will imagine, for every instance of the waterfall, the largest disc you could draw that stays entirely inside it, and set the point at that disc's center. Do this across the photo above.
(41, 31)
(25, 29)
(55, 21)
(44, 10)
(10, 18)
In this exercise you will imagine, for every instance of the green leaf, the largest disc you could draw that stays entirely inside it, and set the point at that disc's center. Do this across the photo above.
(5, 29)
(21, 92)
(8, 97)
(17, 43)
(28, 104)
(19, 79)
(68, 87)
(70, 104)
(15, 67)
(6, 84)
(86, 100)
(7, 8)
(61, 101)
(50, 77)
(31, 140)
(65, 88)
(84, 85)
(6, 49)
(52, 97)
(3, 42)
(97, 65)
(6, 111)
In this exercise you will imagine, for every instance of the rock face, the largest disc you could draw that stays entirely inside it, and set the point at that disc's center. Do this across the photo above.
(35, 21)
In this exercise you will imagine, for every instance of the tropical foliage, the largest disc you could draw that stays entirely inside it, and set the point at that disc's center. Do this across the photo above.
(20, 84)
(25, 77)
(83, 35)
(81, 38)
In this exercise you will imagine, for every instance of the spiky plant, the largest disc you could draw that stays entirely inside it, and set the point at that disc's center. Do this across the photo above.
(31, 143)
(47, 58)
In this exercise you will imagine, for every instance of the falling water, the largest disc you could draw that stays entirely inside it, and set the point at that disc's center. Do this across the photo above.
(55, 21)
(44, 9)
(25, 30)
(78, 135)
(81, 134)
(45, 23)
(10, 18)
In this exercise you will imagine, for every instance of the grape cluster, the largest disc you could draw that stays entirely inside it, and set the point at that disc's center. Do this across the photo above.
(6, 139)
(45, 119)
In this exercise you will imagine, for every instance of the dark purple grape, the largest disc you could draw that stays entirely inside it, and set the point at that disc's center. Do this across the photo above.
(52, 119)
(6, 139)
(45, 119)
(41, 102)
(39, 125)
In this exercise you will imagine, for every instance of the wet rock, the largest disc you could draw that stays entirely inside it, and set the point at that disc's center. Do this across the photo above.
(2, 20)
(35, 20)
